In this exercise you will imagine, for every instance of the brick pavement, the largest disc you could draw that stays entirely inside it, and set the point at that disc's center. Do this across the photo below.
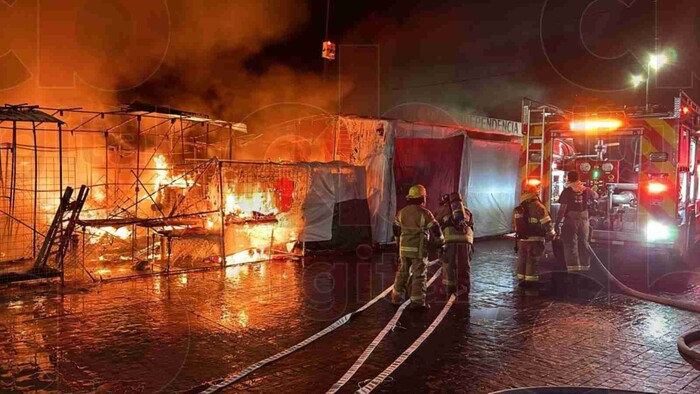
(177, 333)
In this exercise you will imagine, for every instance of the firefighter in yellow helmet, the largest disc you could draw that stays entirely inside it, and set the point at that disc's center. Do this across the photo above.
(533, 226)
(457, 225)
(415, 229)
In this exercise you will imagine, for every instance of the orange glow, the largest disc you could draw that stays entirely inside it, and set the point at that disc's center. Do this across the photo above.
(534, 182)
(247, 256)
(98, 194)
(657, 188)
(686, 110)
(596, 125)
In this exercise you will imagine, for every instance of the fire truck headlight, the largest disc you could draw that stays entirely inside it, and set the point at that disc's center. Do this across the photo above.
(658, 232)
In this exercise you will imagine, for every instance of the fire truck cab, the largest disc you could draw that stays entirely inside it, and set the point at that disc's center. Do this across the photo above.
(643, 165)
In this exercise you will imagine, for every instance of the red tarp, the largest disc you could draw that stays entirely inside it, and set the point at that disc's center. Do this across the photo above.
(434, 163)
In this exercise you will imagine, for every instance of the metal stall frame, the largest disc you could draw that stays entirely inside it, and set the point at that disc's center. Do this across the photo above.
(137, 111)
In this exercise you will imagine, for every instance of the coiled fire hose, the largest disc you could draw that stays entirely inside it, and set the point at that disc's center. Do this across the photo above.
(684, 341)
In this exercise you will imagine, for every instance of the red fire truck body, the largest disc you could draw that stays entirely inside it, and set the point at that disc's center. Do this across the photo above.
(644, 165)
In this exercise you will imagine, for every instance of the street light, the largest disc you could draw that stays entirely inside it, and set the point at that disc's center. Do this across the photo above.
(637, 80)
(655, 62)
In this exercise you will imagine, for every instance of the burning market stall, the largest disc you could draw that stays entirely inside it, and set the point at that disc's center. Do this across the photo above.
(147, 183)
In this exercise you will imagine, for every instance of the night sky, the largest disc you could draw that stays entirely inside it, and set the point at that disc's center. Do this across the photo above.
(233, 59)
(484, 57)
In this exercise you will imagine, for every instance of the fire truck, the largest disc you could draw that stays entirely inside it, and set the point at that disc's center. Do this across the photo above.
(642, 162)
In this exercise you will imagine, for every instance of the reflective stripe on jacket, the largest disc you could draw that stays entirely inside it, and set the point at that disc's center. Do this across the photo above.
(415, 226)
(539, 223)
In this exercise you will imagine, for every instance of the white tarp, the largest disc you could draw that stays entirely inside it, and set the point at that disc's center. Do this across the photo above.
(331, 183)
(493, 178)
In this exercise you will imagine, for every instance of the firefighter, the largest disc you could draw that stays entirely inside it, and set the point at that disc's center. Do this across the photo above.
(533, 227)
(574, 203)
(415, 229)
(458, 227)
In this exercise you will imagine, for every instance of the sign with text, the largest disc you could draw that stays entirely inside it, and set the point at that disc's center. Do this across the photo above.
(482, 123)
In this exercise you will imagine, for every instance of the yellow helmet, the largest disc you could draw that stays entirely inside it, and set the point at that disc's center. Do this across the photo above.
(530, 188)
(417, 191)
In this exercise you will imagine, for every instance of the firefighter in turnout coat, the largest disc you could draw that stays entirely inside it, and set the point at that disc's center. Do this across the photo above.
(533, 226)
(415, 229)
(575, 201)
(457, 226)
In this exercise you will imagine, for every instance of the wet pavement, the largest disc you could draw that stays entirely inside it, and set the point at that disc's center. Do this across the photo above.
(176, 334)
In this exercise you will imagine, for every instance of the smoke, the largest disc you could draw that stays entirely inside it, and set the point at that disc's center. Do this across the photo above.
(207, 66)
(183, 53)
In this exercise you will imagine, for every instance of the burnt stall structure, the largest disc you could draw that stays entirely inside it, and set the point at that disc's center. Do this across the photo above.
(24, 189)
(165, 194)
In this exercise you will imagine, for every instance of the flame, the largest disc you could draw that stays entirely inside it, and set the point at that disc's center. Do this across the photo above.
(243, 206)
(247, 256)
(122, 233)
(163, 176)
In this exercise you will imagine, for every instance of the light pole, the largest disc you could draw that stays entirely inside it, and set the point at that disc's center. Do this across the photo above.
(655, 62)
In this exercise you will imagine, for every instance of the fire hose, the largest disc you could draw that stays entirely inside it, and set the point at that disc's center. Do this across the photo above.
(228, 381)
(686, 340)
(373, 345)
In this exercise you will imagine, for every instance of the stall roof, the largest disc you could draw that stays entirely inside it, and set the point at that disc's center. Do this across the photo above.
(23, 113)
(141, 108)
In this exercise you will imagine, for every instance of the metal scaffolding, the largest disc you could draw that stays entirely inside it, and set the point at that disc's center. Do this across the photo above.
(122, 156)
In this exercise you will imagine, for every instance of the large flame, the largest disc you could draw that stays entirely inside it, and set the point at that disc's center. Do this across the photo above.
(243, 206)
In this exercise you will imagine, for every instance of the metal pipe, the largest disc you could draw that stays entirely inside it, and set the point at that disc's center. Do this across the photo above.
(222, 215)
(13, 172)
(272, 240)
(335, 139)
(60, 160)
(36, 187)
(106, 169)
(136, 187)
(230, 143)
(182, 141)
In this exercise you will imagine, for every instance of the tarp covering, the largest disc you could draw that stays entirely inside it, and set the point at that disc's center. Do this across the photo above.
(434, 163)
(493, 172)
(372, 147)
(487, 173)
(331, 183)
(350, 227)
